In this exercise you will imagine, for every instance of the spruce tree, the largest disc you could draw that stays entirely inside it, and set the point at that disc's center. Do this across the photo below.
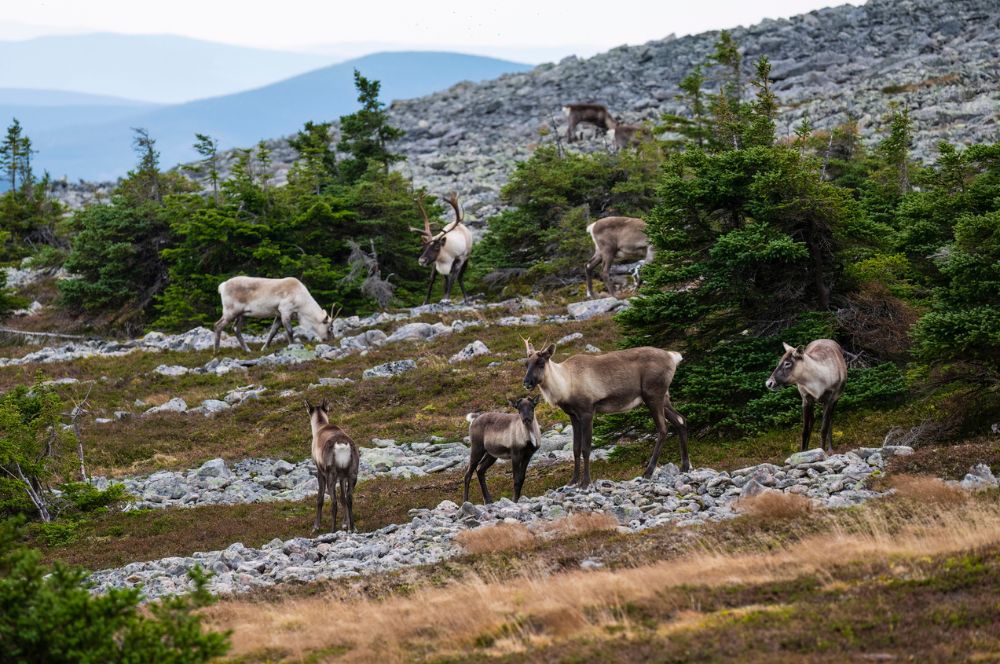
(366, 133)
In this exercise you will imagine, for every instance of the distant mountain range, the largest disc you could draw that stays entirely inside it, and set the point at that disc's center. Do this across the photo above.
(89, 136)
(151, 68)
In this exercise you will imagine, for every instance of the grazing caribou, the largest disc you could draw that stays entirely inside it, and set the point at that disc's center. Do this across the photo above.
(448, 250)
(819, 371)
(503, 436)
(627, 135)
(595, 114)
(616, 239)
(258, 297)
(337, 459)
(611, 383)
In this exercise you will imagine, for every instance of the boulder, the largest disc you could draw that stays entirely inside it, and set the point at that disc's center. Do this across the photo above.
(389, 369)
(175, 405)
(808, 456)
(591, 308)
(475, 349)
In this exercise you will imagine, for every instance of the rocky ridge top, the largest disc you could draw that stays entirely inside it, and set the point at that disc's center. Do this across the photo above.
(940, 60)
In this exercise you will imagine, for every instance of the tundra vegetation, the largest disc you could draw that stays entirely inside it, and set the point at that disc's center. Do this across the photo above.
(758, 239)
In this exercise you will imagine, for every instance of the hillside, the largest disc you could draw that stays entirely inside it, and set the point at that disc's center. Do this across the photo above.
(104, 150)
(941, 61)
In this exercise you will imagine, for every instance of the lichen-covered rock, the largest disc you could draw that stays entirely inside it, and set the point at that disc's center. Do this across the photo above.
(475, 349)
(389, 369)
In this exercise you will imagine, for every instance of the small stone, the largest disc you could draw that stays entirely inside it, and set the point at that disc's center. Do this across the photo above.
(808, 456)
(475, 349)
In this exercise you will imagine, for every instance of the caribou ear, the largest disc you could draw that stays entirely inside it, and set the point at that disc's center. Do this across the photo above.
(799, 352)
(325, 405)
(548, 352)
(787, 347)
(535, 399)
(513, 403)
(309, 406)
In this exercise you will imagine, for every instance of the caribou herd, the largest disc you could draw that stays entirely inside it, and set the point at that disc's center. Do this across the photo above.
(581, 385)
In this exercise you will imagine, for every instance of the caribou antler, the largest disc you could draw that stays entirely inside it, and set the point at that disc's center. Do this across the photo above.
(427, 222)
(453, 202)
(527, 345)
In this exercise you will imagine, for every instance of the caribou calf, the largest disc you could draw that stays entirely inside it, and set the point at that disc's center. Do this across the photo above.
(337, 458)
(611, 383)
(503, 436)
(595, 114)
(819, 371)
(616, 239)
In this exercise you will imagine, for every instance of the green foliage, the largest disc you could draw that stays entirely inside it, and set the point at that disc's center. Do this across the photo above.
(86, 498)
(51, 616)
(366, 133)
(9, 301)
(29, 440)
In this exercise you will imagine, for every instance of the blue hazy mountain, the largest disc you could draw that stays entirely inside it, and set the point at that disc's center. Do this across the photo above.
(102, 150)
(152, 68)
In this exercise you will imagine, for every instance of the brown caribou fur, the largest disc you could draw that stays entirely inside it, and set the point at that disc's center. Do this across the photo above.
(616, 239)
(337, 459)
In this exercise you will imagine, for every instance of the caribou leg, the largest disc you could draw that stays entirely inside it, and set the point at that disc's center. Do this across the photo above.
(588, 268)
(606, 274)
(484, 465)
(475, 456)
(656, 409)
(274, 331)
(461, 282)
(682, 430)
(826, 429)
(430, 286)
(218, 327)
(286, 320)
(807, 420)
(577, 438)
(586, 437)
(331, 487)
(321, 478)
(519, 464)
(239, 334)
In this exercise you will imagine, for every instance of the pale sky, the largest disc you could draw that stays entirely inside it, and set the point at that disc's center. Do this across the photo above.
(502, 28)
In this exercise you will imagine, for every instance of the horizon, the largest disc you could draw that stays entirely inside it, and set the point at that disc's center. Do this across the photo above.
(521, 31)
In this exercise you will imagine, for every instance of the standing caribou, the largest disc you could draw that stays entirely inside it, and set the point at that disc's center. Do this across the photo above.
(495, 436)
(448, 250)
(627, 135)
(595, 114)
(337, 459)
(611, 383)
(258, 297)
(819, 371)
(616, 239)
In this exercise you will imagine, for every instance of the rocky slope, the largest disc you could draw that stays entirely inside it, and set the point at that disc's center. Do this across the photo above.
(940, 60)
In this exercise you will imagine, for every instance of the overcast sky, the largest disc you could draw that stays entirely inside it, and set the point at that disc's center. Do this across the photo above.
(538, 29)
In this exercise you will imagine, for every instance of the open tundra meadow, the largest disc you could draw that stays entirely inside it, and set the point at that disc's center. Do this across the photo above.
(746, 283)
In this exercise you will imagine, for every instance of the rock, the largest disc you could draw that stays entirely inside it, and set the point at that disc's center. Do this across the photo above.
(568, 338)
(808, 456)
(751, 489)
(592, 308)
(334, 382)
(383, 442)
(979, 478)
(389, 369)
(213, 406)
(589, 348)
(213, 468)
(475, 349)
(417, 332)
(175, 405)
(171, 370)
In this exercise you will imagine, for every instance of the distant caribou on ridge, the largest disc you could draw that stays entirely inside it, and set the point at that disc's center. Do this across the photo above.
(595, 114)
(819, 371)
(258, 297)
(447, 251)
(616, 239)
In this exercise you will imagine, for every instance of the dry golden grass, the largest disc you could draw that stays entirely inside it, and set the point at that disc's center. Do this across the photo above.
(538, 610)
(775, 505)
(579, 524)
(501, 537)
(927, 489)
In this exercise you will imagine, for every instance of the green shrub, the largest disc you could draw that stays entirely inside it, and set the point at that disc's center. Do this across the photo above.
(51, 616)
(85, 497)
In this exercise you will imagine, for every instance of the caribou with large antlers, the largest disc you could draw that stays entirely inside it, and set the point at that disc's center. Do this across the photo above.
(448, 250)
(614, 382)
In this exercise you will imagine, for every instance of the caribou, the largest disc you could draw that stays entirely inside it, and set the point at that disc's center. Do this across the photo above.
(448, 250)
(627, 135)
(615, 382)
(503, 436)
(337, 459)
(258, 297)
(819, 371)
(616, 239)
(595, 114)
